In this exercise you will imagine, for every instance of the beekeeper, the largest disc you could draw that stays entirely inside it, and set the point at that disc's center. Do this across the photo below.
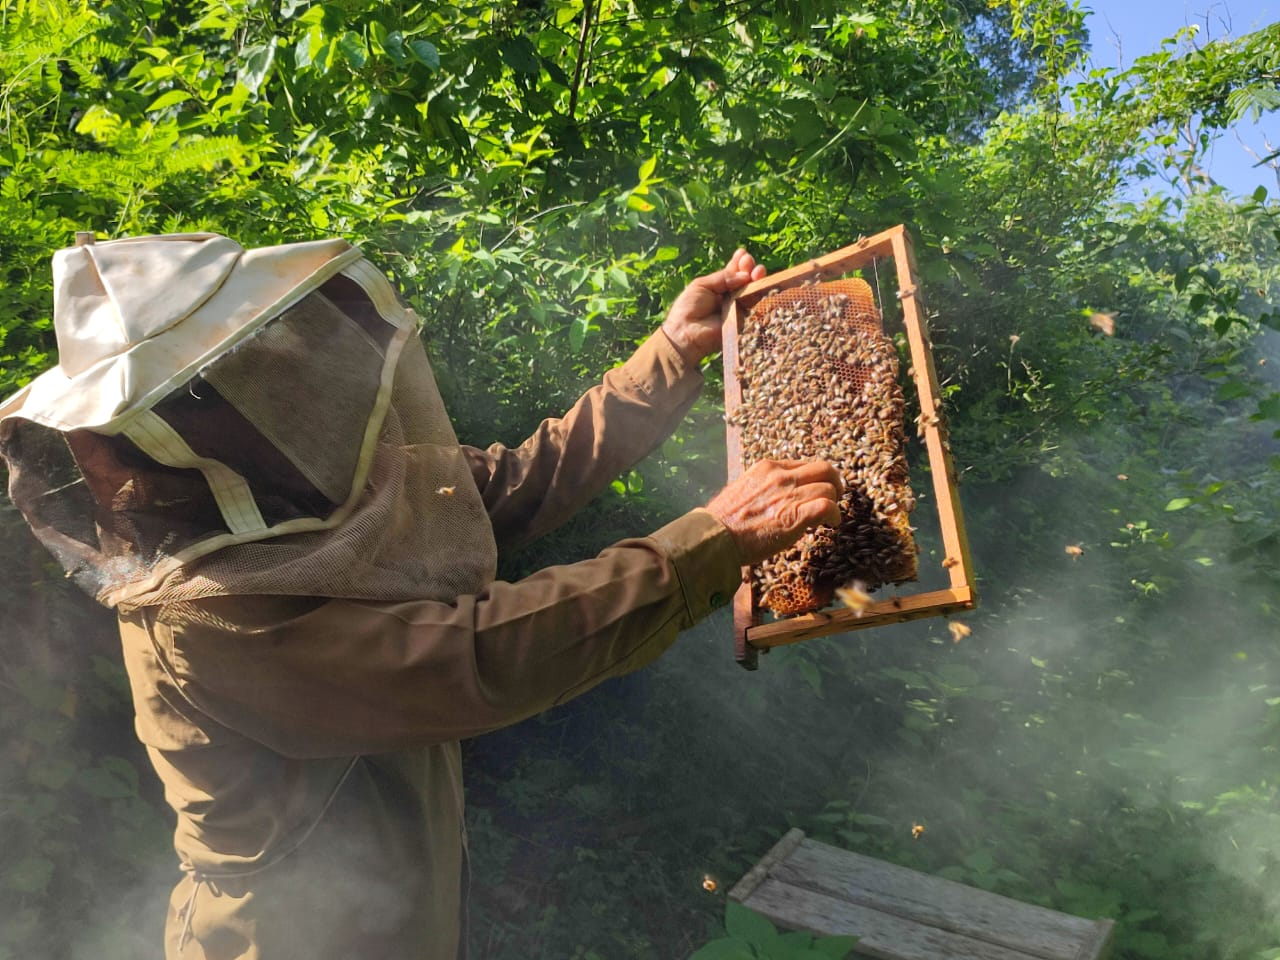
(244, 453)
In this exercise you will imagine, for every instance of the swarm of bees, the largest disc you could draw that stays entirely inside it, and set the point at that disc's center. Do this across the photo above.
(819, 380)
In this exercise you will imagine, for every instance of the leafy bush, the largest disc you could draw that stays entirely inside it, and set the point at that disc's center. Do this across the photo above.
(542, 178)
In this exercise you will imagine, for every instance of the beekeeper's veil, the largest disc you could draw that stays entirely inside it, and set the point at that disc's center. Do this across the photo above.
(224, 421)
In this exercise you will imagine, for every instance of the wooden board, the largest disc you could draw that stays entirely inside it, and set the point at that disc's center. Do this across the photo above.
(751, 634)
(901, 914)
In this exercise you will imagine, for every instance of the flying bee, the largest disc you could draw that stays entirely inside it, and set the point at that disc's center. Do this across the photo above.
(854, 596)
(958, 631)
(1104, 323)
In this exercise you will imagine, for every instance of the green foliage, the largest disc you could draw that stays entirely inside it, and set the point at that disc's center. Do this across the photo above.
(749, 935)
(542, 178)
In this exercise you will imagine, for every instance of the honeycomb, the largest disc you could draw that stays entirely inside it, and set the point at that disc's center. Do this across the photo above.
(819, 380)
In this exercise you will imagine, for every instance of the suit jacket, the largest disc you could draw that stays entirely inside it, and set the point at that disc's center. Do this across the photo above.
(309, 745)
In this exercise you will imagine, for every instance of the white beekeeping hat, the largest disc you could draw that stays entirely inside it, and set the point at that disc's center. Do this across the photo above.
(228, 421)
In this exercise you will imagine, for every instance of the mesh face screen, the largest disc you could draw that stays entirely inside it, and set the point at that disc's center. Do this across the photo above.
(314, 458)
(103, 508)
(418, 531)
(819, 380)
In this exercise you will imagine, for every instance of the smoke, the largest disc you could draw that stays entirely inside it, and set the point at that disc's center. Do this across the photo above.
(1105, 740)
(86, 859)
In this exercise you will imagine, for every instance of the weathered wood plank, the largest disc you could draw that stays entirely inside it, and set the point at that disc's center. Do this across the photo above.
(881, 935)
(757, 874)
(1026, 929)
(902, 914)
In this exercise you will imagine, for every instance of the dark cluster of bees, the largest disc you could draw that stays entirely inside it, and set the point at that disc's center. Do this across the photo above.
(819, 380)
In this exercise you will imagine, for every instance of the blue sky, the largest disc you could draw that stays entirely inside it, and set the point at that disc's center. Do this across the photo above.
(1123, 30)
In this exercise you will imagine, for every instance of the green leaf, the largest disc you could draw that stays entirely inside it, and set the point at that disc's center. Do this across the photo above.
(1268, 409)
(725, 948)
(796, 939)
(794, 952)
(666, 253)
(258, 59)
(1260, 194)
(743, 922)
(834, 947)
(393, 44)
(577, 334)
(1178, 503)
(425, 53)
(521, 56)
(304, 50)
(169, 99)
(647, 168)
(1234, 390)
(353, 49)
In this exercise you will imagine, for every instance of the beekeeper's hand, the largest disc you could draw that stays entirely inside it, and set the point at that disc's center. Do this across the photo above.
(774, 502)
(693, 322)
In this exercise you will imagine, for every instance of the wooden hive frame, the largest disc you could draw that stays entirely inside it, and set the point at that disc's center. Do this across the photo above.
(751, 634)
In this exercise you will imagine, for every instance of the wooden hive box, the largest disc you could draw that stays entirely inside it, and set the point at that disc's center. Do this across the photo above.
(901, 914)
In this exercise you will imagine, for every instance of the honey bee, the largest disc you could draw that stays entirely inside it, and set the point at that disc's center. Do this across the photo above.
(446, 491)
(950, 562)
(1074, 550)
(958, 631)
(709, 884)
(1122, 476)
(917, 831)
(1104, 323)
(854, 597)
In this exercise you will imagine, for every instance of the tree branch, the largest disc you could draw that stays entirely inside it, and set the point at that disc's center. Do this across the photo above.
(583, 35)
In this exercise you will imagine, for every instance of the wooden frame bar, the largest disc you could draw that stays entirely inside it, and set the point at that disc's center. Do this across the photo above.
(750, 633)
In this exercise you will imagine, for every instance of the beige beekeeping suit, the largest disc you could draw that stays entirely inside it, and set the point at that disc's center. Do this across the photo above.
(245, 454)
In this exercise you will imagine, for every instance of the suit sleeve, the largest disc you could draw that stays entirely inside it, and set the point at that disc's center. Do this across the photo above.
(342, 677)
(533, 488)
